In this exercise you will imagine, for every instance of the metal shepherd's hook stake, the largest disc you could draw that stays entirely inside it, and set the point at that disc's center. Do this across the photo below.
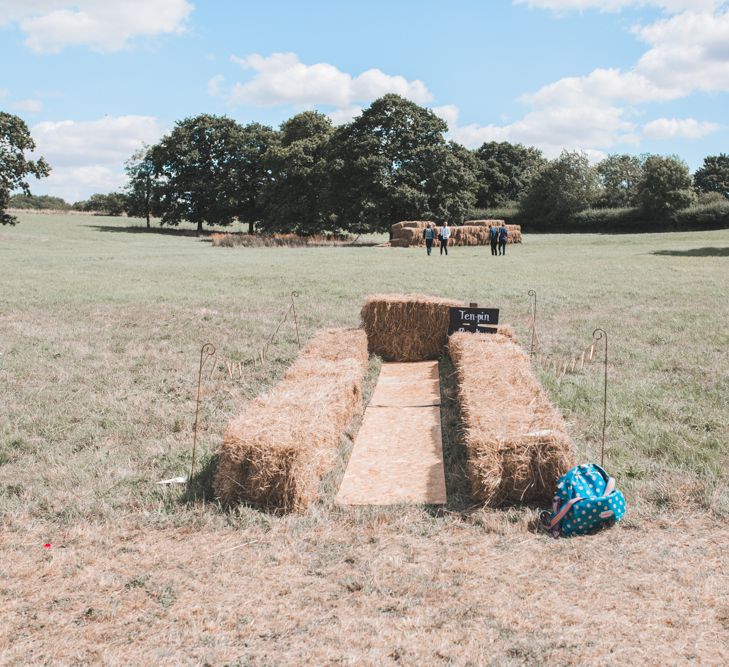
(209, 350)
(599, 334)
(295, 295)
(533, 294)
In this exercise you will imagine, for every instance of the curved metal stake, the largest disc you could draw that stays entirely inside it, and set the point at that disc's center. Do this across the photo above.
(533, 294)
(295, 295)
(599, 334)
(208, 349)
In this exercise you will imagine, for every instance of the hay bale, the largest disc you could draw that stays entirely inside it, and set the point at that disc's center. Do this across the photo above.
(276, 453)
(516, 439)
(409, 224)
(411, 327)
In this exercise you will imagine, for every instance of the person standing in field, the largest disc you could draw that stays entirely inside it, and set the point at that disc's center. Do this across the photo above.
(444, 236)
(429, 235)
(493, 238)
(503, 235)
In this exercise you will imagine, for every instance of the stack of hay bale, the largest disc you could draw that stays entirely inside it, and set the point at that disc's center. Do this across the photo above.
(516, 439)
(409, 233)
(514, 230)
(276, 453)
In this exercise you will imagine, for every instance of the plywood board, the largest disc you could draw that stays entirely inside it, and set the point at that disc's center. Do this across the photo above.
(407, 385)
(397, 458)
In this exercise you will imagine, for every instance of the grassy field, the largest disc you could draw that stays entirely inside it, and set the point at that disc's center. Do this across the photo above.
(100, 332)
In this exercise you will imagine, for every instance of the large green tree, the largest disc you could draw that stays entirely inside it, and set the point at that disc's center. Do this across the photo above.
(504, 172)
(665, 185)
(713, 176)
(200, 169)
(253, 175)
(296, 196)
(561, 188)
(15, 167)
(618, 177)
(389, 165)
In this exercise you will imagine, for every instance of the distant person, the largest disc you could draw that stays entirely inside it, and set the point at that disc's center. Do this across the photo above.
(444, 236)
(503, 235)
(429, 235)
(493, 238)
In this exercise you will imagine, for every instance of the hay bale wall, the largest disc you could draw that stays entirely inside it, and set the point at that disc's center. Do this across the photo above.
(516, 439)
(276, 453)
(409, 233)
(410, 327)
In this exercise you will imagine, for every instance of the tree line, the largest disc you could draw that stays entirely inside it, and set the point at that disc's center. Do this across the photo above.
(390, 163)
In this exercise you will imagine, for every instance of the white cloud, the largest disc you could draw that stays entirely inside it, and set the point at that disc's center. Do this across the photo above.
(76, 183)
(575, 127)
(111, 25)
(672, 128)
(215, 85)
(282, 79)
(88, 157)
(345, 115)
(29, 106)
(449, 113)
(687, 53)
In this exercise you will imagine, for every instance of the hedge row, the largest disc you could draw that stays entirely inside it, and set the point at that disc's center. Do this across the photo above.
(620, 220)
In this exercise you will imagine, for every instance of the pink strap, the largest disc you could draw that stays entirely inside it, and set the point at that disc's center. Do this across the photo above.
(565, 508)
(609, 487)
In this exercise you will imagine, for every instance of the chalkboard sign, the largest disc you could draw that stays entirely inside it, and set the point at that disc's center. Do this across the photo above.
(473, 320)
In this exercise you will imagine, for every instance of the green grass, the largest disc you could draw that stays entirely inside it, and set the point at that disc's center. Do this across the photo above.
(100, 333)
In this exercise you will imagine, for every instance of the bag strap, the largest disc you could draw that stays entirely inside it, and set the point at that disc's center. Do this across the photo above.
(561, 514)
(609, 487)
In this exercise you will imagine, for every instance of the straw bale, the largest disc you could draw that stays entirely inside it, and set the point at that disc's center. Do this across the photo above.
(411, 327)
(410, 224)
(277, 451)
(411, 235)
(516, 439)
(474, 232)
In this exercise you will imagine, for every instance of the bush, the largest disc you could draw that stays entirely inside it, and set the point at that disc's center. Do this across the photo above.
(607, 220)
(508, 212)
(707, 216)
(708, 198)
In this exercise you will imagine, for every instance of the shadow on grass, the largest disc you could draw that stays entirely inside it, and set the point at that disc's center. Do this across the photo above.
(458, 486)
(694, 252)
(200, 488)
(166, 231)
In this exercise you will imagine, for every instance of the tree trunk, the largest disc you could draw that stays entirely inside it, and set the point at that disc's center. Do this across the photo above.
(199, 228)
(251, 227)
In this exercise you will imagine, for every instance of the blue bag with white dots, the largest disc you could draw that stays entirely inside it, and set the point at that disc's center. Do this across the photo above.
(585, 501)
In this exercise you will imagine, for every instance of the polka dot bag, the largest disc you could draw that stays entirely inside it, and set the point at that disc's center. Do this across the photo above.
(585, 501)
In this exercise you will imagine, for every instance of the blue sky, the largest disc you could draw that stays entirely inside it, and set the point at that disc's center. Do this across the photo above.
(94, 80)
